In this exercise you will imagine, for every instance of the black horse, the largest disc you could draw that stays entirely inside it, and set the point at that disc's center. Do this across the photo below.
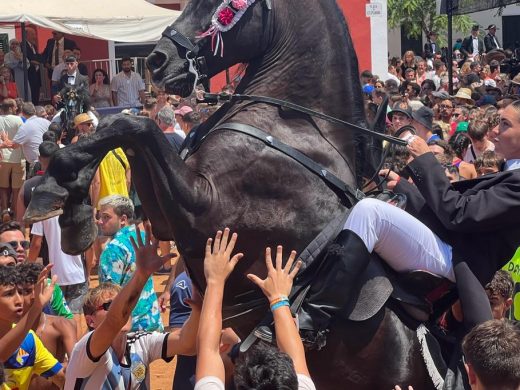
(75, 101)
(296, 50)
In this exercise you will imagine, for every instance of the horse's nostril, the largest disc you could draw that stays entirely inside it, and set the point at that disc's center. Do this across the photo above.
(156, 60)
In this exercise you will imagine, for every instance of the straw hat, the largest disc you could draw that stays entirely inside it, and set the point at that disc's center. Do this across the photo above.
(82, 118)
(465, 93)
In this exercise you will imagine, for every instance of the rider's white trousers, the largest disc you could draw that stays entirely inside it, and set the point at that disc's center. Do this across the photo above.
(403, 241)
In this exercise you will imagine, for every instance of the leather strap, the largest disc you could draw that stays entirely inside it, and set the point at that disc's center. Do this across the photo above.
(346, 192)
(282, 103)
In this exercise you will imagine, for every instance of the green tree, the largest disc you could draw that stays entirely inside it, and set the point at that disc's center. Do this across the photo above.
(420, 16)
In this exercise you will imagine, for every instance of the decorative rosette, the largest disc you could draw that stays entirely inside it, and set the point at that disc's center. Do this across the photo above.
(224, 19)
(225, 16)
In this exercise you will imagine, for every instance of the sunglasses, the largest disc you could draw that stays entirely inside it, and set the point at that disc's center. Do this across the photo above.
(105, 306)
(24, 244)
(442, 106)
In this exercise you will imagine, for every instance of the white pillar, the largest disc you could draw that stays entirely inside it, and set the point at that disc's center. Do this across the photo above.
(379, 39)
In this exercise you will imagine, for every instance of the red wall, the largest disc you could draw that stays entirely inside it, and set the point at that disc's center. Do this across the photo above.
(91, 49)
(359, 26)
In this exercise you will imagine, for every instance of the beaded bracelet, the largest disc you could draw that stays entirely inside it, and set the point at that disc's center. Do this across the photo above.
(280, 298)
(277, 305)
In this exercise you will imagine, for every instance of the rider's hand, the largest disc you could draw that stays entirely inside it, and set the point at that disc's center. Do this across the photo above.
(218, 263)
(392, 178)
(417, 146)
(279, 280)
(43, 289)
(147, 260)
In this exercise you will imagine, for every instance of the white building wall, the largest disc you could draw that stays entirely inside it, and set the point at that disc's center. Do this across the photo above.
(483, 18)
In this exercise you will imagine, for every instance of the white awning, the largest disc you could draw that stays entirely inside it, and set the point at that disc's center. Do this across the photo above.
(115, 20)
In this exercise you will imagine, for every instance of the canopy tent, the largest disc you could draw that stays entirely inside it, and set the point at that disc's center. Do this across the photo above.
(114, 20)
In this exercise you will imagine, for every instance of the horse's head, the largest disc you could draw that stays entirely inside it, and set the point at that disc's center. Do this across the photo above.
(210, 35)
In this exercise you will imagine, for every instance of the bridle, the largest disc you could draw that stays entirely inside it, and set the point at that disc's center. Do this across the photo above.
(196, 64)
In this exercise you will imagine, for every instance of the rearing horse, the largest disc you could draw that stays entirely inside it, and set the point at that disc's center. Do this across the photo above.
(296, 50)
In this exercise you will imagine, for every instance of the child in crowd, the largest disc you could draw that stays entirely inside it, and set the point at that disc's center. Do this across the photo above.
(491, 355)
(487, 163)
(21, 351)
(109, 357)
(500, 294)
(58, 334)
(283, 369)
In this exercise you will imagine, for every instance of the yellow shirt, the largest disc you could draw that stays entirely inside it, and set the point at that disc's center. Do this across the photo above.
(112, 174)
(31, 358)
(513, 267)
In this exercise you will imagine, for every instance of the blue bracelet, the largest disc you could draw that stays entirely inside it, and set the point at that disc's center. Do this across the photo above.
(277, 305)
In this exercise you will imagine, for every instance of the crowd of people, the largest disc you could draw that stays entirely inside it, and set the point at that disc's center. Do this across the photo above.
(46, 300)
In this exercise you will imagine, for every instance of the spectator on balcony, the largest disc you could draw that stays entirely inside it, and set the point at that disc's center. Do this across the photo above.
(127, 86)
(53, 53)
(81, 67)
(100, 94)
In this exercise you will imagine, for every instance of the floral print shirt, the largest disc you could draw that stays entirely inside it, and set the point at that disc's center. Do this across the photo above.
(117, 265)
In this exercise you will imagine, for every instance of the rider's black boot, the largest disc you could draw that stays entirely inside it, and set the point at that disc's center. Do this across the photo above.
(331, 291)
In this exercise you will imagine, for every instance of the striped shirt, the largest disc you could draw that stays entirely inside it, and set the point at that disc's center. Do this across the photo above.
(127, 89)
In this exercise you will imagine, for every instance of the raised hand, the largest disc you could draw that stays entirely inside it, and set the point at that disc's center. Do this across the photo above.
(218, 263)
(279, 280)
(147, 260)
(43, 289)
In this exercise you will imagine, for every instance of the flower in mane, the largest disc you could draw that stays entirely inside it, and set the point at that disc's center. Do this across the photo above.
(239, 4)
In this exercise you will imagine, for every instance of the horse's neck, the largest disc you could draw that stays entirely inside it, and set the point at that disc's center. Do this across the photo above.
(309, 65)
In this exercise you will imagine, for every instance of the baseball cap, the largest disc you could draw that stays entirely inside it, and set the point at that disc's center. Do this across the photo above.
(7, 250)
(71, 58)
(405, 111)
(183, 110)
(441, 95)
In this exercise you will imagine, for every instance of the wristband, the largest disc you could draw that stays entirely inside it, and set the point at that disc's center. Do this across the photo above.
(276, 300)
(280, 304)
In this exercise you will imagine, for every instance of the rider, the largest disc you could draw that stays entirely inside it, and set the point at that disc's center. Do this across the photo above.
(450, 229)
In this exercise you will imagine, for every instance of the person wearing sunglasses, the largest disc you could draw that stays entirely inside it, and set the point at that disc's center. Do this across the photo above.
(11, 232)
(107, 356)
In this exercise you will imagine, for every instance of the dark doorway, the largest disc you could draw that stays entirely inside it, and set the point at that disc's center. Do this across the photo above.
(510, 31)
(414, 44)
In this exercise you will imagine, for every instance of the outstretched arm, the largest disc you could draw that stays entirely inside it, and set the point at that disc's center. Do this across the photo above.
(147, 262)
(43, 293)
(276, 288)
(217, 267)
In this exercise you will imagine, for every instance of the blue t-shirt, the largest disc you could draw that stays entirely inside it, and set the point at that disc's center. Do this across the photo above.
(184, 378)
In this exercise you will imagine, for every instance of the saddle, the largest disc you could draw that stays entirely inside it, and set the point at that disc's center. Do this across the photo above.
(420, 294)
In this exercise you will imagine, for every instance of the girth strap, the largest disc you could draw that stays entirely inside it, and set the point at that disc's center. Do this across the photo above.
(346, 192)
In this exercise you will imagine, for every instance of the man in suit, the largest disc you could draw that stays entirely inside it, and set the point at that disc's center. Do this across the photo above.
(490, 40)
(33, 72)
(463, 231)
(430, 47)
(53, 52)
(72, 77)
(473, 45)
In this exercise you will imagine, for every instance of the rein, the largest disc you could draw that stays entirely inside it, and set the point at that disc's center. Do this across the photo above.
(213, 98)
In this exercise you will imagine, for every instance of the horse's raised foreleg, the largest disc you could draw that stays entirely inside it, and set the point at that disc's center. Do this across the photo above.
(168, 189)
